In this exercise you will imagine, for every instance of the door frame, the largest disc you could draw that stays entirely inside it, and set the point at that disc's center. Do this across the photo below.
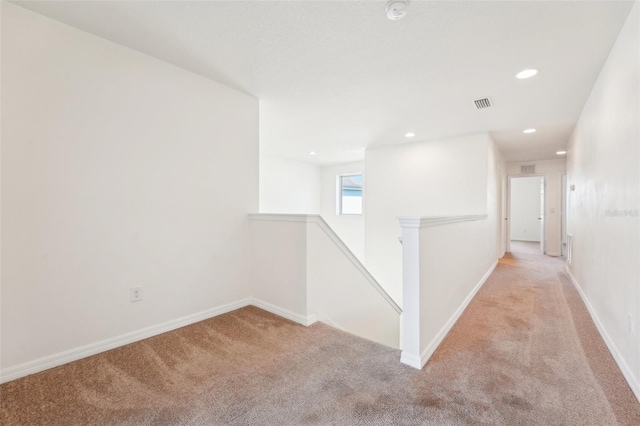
(507, 219)
(564, 204)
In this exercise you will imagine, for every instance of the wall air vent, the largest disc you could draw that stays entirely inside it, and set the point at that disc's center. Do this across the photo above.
(529, 169)
(483, 103)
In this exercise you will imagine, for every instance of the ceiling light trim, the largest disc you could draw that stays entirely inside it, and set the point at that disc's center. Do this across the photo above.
(527, 73)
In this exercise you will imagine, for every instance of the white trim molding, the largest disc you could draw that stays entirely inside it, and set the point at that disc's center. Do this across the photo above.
(320, 317)
(280, 217)
(633, 382)
(427, 221)
(411, 360)
(413, 353)
(418, 361)
(320, 222)
(65, 357)
(284, 313)
(433, 344)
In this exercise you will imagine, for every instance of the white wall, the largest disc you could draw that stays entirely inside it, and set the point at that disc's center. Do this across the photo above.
(603, 164)
(118, 170)
(431, 178)
(496, 197)
(436, 288)
(313, 276)
(288, 186)
(341, 295)
(525, 208)
(552, 170)
(279, 265)
(350, 228)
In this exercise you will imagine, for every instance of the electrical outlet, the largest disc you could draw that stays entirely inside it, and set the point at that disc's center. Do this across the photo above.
(136, 294)
(630, 323)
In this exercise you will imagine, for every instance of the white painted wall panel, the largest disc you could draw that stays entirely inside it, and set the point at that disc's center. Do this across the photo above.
(431, 178)
(339, 293)
(118, 170)
(603, 164)
(445, 264)
(303, 270)
(279, 264)
(290, 187)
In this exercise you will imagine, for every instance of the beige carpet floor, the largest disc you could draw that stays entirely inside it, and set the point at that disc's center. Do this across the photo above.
(525, 352)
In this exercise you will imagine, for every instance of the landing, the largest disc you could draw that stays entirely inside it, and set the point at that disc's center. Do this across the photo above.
(524, 352)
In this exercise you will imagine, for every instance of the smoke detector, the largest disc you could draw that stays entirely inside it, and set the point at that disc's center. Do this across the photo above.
(396, 9)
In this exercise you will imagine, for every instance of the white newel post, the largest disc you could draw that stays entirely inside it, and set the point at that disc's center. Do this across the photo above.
(410, 292)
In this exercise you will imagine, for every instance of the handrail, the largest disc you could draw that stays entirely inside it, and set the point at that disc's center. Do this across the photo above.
(318, 220)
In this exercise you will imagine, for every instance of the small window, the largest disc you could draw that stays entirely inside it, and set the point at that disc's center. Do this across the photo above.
(350, 194)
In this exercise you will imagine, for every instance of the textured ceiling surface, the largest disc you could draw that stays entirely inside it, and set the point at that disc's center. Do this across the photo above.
(336, 77)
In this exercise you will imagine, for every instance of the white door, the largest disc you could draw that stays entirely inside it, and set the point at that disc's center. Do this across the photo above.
(541, 218)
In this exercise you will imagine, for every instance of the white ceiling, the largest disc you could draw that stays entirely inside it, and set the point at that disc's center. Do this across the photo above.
(336, 77)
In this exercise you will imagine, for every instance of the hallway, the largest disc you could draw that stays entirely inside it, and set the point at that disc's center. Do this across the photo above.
(527, 345)
(525, 247)
(525, 352)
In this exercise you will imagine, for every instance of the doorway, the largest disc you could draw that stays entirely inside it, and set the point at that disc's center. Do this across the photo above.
(526, 219)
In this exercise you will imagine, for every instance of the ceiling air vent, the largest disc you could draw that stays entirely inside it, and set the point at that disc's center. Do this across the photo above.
(483, 103)
(528, 169)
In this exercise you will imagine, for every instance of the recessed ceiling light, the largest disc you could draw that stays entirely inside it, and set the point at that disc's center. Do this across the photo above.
(529, 131)
(528, 73)
(409, 135)
(312, 153)
(561, 152)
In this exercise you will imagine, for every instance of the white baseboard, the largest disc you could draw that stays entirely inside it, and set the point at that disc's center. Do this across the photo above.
(65, 357)
(433, 345)
(60, 358)
(311, 319)
(410, 360)
(553, 254)
(55, 360)
(284, 313)
(622, 364)
(319, 316)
